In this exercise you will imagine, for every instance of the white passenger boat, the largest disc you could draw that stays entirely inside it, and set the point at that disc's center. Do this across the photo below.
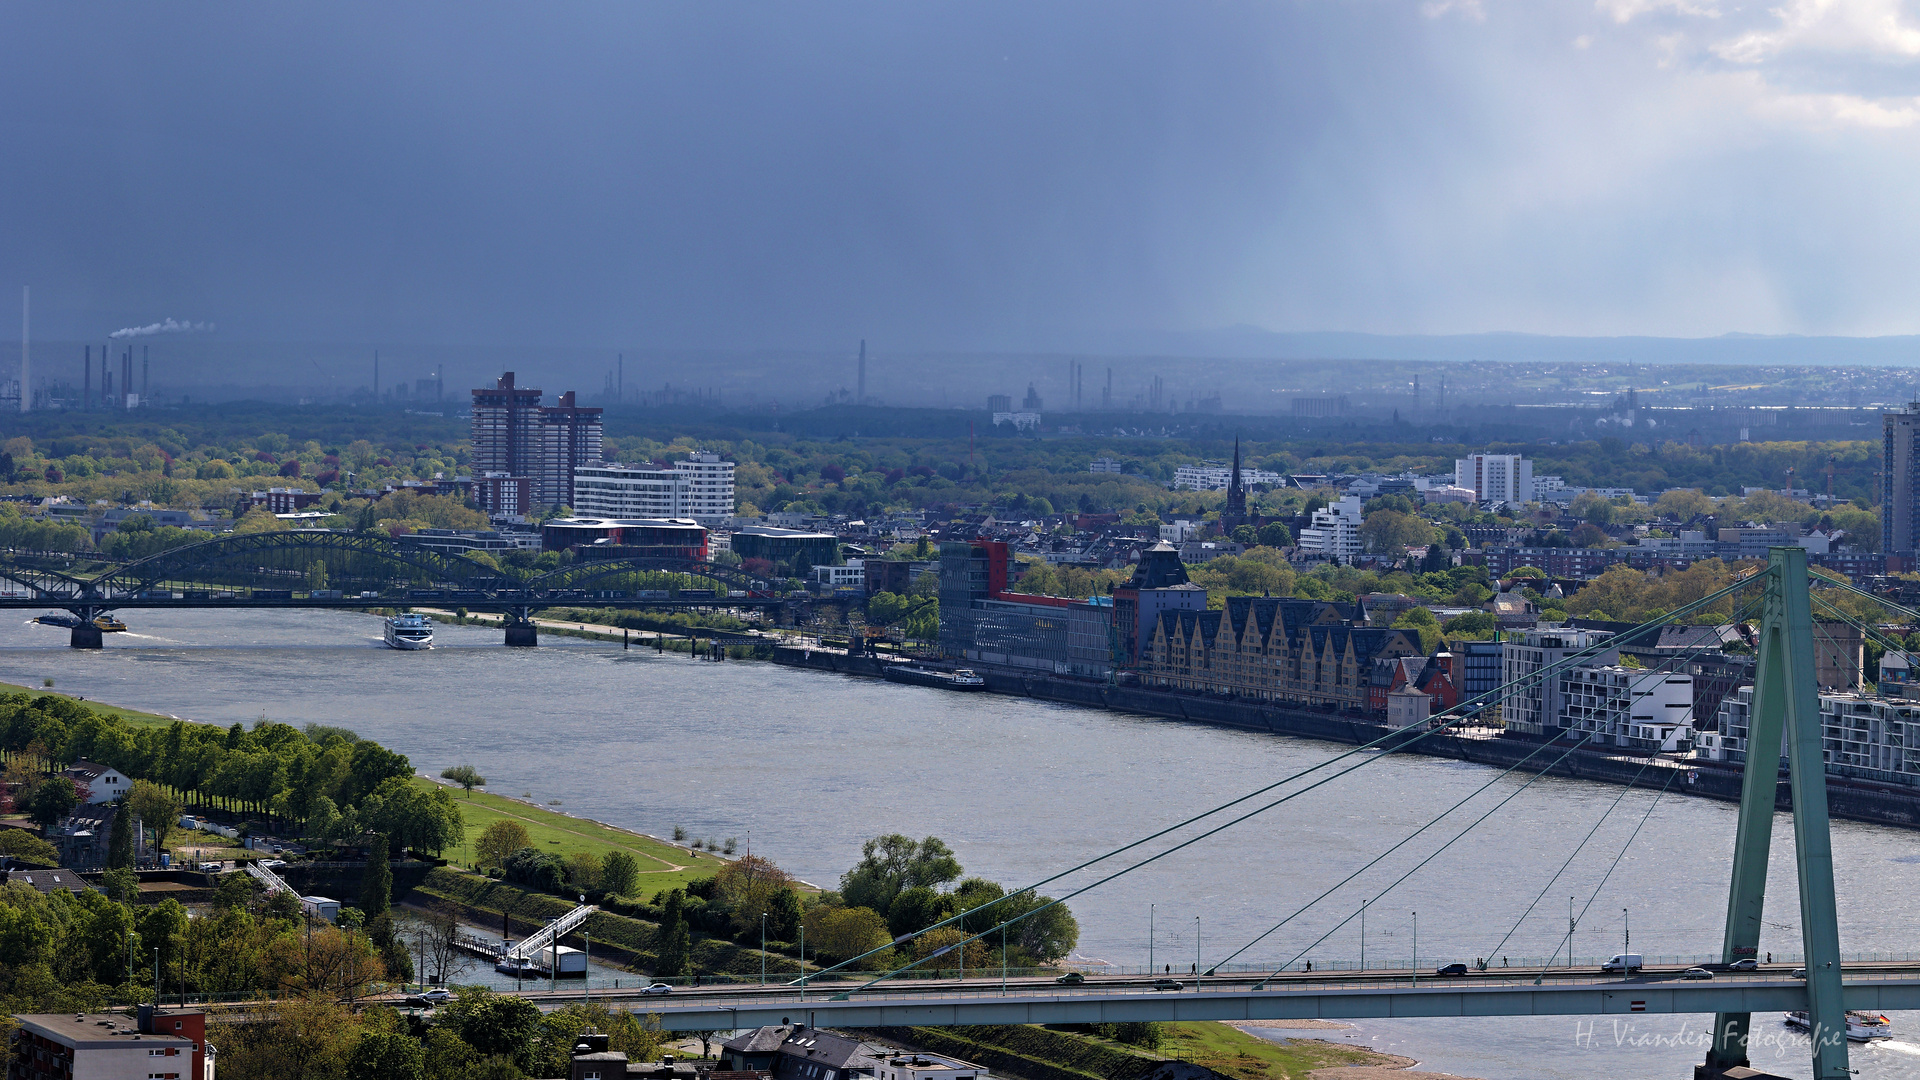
(409, 632)
(1861, 1026)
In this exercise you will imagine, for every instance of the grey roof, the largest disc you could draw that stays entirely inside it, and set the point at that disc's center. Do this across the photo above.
(48, 880)
(813, 1044)
(761, 1040)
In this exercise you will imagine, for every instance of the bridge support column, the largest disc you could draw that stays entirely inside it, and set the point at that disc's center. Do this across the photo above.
(1785, 702)
(87, 636)
(522, 635)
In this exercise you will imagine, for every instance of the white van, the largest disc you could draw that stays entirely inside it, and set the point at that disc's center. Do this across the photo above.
(1623, 962)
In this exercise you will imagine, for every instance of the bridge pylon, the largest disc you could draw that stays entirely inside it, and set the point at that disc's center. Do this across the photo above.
(521, 632)
(1786, 714)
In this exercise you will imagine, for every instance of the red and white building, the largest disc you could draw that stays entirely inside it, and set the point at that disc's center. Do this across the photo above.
(68, 1046)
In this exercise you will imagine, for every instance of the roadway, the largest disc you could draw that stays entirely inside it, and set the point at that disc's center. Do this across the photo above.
(1342, 995)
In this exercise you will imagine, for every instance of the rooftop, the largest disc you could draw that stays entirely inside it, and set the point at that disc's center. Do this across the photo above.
(94, 1031)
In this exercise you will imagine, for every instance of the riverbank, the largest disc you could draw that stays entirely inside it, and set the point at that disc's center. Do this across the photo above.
(1854, 800)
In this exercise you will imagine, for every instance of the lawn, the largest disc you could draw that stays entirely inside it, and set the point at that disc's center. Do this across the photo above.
(1232, 1052)
(133, 717)
(662, 865)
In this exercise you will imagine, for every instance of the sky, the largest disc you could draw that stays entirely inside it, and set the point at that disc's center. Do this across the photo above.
(973, 175)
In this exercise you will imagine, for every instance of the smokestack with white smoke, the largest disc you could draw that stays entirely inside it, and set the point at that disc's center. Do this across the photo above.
(168, 326)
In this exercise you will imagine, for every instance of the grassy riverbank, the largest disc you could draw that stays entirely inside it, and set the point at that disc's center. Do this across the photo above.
(132, 717)
(1028, 1052)
(662, 865)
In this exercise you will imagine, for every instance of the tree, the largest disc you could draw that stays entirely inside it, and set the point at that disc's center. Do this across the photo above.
(120, 840)
(843, 933)
(22, 844)
(259, 520)
(376, 887)
(916, 909)
(1420, 621)
(939, 947)
(1588, 535)
(52, 800)
(620, 873)
(500, 840)
(494, 1024)
(386, 1055)
(1473, 622)
(1048, 933)
(1390, 530)
(748, 886)
(672, 942)
(1275, 535)
(120, 884)
(466, 776)
(158, 810)
(892, 863)
(784, 916)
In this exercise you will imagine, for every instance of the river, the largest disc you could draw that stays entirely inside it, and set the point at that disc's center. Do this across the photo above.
(801, 767)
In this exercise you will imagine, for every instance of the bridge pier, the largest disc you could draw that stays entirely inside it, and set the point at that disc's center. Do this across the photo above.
(519, 635)
(87, 636)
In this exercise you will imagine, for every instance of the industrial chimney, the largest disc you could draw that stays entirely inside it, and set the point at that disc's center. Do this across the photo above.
(26, 394)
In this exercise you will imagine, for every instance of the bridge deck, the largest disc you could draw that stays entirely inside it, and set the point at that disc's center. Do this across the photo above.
(1343, 1000)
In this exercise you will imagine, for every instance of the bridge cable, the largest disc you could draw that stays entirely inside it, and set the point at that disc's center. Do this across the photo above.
(1436, 820)
(1567, 938)
(1416, 867)
(1436, 854)
(1498, 693)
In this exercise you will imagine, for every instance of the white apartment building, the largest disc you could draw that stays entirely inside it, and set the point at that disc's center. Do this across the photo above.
(1502, 478)
(1210, 476)
(1335, 530)
(1631, 707)
(1537, 706)
(700, 488)
(1868, 738)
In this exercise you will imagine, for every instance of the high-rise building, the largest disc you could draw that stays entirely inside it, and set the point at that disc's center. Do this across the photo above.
(1335, 530)
(1900, 487)
(1501, 478)
(569, 439)
(514, 435)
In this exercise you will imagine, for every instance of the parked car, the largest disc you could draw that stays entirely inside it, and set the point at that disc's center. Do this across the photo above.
(1696, 973)
(1749, 964)
(658, 988)
(272, 864)
(1451, 969)
(1071, 978)
(1169, 984)
(439, 995)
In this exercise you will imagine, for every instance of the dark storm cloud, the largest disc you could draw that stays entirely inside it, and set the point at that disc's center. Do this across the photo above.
(971, 175)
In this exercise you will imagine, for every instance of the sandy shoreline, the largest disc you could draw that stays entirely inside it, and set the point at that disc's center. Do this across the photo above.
(1389, 1067)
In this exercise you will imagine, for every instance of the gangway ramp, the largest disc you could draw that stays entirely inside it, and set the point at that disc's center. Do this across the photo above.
(273, 882)
(550, 934)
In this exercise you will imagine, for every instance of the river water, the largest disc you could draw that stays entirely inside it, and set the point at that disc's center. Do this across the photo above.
(802, 767)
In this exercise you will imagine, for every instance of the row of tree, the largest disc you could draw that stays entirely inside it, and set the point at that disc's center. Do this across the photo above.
(324, 780)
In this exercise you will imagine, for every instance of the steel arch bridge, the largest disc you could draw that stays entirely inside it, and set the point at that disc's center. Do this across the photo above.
(321, 568)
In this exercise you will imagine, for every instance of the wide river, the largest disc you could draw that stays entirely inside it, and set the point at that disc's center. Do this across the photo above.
(802, 767)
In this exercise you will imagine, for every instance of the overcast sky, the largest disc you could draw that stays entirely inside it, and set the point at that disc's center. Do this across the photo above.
(970, 175)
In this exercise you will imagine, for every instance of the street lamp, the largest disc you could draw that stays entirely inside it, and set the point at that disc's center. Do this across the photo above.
(1570, 925)
(1626, 931)
(763, 948)
(1150, 908)
(1416, 948)
(1196, 954)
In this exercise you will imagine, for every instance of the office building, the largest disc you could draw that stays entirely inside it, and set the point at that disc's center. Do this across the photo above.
(1535, 702)
(1497, 478)
(514, 435)
(627, 538)
(1335, 531)
(504, 496)
(792, 551)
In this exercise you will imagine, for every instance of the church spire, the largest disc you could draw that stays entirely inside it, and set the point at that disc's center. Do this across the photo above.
(1236, 491)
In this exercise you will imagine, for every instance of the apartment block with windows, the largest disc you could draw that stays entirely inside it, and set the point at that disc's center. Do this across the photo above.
(700, 488)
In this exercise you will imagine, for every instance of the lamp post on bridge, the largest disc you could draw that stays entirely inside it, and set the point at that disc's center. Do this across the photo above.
(1570, 926)
(1150, 908)
(1626, 931)
(1416, 948)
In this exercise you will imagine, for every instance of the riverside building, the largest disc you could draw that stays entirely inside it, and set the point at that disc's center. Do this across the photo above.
(700, 488)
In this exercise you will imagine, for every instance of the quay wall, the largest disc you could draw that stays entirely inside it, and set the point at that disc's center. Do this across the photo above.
(1845, 799)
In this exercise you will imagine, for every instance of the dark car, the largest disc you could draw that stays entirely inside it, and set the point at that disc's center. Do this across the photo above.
(1169, 984)
(1451, 969)
(1071, 978)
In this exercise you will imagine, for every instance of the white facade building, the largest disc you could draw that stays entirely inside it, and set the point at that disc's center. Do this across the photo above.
(1535, 704)
(1023, 421)
(854, 573)
(1619, 706)
(1501, 478)
(1103, 465)
(1209, 476)
(1868, 738)
(1335, 530)
(700, 488)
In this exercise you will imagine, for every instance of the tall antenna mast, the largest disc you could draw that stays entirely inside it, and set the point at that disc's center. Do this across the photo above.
(26, 395)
